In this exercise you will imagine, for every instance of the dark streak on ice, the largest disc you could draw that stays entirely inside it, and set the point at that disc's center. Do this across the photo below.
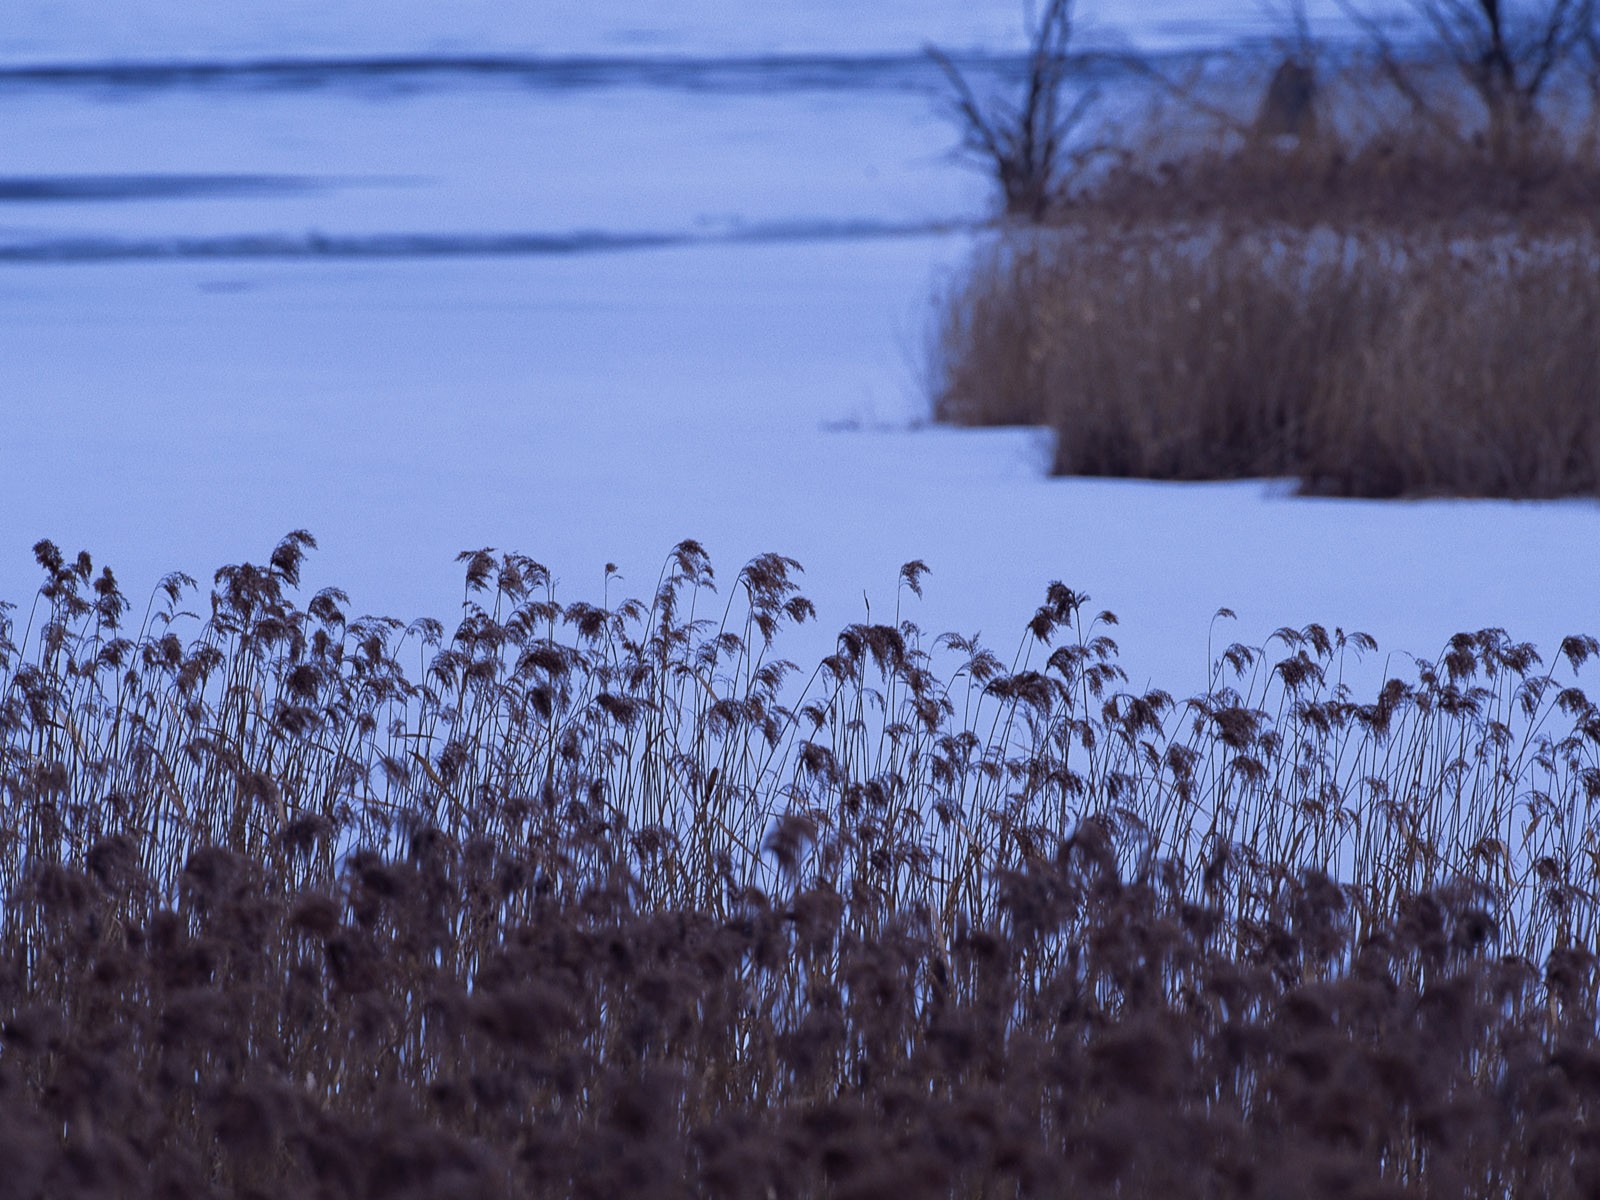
(913, 72)
(423, 245)
(48, 188)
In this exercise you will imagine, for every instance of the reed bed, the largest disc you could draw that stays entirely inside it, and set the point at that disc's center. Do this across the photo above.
(1392, 300)
(1360, 362)
(584, 900)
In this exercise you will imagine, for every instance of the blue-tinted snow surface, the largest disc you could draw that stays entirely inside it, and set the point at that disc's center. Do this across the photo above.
(581, 280)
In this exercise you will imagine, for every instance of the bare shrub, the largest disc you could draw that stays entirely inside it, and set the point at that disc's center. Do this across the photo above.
(1023, 144)
(1509, 55)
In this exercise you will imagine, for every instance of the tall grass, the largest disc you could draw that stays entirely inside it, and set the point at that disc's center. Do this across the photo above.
(1362, 362)
(1393, 299)
(582, 900)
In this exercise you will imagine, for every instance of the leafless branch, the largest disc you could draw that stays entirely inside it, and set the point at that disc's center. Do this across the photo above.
(1187, 91)
(1400, 76)
(1021, 143)
(977, 133)
(1508, 65)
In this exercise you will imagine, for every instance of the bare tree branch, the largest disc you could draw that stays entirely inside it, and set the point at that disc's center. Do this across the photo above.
(977, 132)
(1186, 91)
(1507, 64)
(1022, 143)
(1400, 77)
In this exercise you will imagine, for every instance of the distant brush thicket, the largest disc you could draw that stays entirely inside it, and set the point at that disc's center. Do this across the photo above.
(592, 900)
(1386, 284)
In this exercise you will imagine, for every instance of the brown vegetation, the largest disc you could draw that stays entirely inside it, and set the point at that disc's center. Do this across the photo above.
(1385, 284)
(1360, 363)
(593, 904)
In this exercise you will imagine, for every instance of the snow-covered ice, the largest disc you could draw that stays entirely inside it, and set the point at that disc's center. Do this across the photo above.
(167, 30)
(751, 384)
(594, 409)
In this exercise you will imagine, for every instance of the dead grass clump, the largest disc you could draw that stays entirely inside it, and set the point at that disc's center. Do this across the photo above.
(1484, 380)
(596, 906)
(1408, 176)
(1362, 363)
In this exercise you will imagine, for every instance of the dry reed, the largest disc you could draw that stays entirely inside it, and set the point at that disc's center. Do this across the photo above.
(1389, 304)
(602, 901)
(1361, 363)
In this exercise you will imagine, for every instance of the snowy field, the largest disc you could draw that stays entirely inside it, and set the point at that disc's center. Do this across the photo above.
(425, 312)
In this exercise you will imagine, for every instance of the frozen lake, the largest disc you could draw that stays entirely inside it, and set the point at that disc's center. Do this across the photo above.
(34, 31)
(583, 307)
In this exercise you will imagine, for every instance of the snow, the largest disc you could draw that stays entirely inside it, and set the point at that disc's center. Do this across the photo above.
(595, 409)
(167, 30)
(757, 384)
(476, 159)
